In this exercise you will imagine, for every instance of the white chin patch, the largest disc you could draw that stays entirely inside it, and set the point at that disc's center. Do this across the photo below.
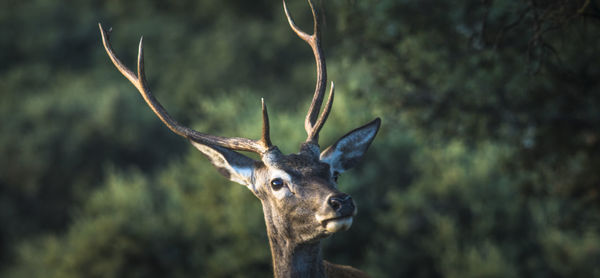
(336, 225)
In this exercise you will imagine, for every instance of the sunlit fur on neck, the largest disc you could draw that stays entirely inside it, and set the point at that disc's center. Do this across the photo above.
(290, 258)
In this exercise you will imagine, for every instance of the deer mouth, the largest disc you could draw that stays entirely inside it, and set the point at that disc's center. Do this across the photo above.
(337, 224)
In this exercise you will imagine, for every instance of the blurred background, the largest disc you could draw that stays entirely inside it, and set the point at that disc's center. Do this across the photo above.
(487, 163)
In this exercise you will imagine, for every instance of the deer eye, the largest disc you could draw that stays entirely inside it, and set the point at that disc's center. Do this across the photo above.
(276, 183)
(336, 175)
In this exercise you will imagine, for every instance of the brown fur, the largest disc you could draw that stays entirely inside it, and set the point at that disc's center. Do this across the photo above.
(342, 271)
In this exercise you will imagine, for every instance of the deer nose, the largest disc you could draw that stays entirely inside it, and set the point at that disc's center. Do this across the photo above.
(342, 204)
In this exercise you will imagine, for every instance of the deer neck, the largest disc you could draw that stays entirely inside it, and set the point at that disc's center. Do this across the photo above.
(290, 258)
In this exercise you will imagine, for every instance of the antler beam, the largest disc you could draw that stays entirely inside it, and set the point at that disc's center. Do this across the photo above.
(312, 124)
(139, 81)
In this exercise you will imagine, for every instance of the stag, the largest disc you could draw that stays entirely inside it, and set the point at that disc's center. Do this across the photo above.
(300, 199)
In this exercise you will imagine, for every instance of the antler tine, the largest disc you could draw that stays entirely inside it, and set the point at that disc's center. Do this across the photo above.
(313, 136)
(306, 37)
(266, 137)
(310, 123)
(235, 143)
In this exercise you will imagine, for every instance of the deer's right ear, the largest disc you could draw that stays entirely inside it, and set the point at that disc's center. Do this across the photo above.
(234, 166)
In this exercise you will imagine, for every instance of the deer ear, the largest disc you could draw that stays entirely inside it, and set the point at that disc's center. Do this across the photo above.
(349, 149)
(234, 166)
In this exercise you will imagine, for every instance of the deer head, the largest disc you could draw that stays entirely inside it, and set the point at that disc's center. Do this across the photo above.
(298, 192)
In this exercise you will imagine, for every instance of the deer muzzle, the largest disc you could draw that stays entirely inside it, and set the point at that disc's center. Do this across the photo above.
(339, 213)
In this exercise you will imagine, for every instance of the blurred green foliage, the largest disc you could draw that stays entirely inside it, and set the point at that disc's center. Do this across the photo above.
(486, 164)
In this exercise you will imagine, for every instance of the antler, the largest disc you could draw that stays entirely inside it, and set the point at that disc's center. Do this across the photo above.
(139, 81)
(312, 124)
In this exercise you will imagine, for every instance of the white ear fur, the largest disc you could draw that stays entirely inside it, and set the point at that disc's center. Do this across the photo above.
(234, 166)
(348, 150)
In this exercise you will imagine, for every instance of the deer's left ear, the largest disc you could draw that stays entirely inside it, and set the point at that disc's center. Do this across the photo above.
(349, 149)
